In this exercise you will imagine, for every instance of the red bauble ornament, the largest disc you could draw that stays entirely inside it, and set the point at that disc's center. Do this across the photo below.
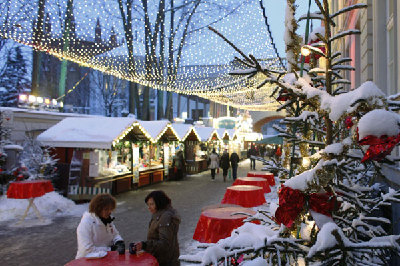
(349, 122)
(283, 96)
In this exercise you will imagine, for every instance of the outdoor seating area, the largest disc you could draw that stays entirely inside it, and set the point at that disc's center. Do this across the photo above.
(218, 221)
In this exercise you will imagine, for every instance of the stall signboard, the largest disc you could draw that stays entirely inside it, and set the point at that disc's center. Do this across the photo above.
(94, 163)
(135, 163)
(166, 157)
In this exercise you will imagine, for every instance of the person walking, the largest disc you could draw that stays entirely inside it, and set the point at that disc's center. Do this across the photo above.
(234, 163)
(214, 163)
(225, 164)
(252, 151)
(178, 164)
(162, 236)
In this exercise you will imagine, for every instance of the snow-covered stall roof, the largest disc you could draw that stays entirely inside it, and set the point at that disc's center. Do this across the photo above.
(89, 132)
(223, 133)
(181, 129)
(206, 133)
(231, 133)
(185, 130)
(160, 129)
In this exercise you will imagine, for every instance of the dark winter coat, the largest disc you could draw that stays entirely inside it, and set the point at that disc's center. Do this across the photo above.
(234, 159)
(252, 151)
(162, 237)
(224, 162)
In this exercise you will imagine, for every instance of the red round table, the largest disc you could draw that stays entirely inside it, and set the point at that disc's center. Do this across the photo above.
(218, 223)
(113, 258)
(267, 175)
(254, 181)
(244, 195)
(29, 189)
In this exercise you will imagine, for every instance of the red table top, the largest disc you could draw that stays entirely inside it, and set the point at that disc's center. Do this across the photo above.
(219, 222)
(113, 258)
(255, 181)
(29, 189)
(244, 195)
(267, 175)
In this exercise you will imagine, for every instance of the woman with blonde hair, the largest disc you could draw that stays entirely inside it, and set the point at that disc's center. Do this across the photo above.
(96, 232)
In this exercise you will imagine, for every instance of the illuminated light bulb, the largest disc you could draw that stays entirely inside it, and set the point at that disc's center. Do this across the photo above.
(47, 101)
(31, 98)
(23, 98)
(305, 51)
(39, 99)
(306, 162)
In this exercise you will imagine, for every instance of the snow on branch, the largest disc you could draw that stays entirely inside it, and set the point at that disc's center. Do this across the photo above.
(315, 15)
(315, 50)
(339, 105)
(344, 33)
(348, 8)
(378, 123)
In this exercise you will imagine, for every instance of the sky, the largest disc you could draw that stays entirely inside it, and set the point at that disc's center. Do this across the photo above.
(275, 10)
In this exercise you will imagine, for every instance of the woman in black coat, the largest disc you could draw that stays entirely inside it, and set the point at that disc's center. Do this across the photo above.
(224, 163)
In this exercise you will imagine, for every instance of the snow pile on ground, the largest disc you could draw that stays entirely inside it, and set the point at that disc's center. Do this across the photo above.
(49, 205)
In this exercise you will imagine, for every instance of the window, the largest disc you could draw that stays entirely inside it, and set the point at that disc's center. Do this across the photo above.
(390, 37)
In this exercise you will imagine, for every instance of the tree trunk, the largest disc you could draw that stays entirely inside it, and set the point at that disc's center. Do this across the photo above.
(160, 104)
(146, 103)
(133, 87)
(188, 106)
(133, 99)
(168, 108)
(36, 57)
(64, 63)
(328, 72)
(178, 113)
(170, 78)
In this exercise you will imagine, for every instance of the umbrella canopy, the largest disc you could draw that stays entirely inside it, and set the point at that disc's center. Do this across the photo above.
(271, 139)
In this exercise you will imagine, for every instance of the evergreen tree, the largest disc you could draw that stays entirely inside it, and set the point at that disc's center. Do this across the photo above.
(13, 80)
(331, 212)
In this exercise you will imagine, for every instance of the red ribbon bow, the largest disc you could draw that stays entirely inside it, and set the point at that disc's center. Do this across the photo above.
(378, 148)
(292, 201)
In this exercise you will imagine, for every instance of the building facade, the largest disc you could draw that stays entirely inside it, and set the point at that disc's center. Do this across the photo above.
(375, 52)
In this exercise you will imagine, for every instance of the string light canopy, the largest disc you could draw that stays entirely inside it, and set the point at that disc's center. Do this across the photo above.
(195, 61)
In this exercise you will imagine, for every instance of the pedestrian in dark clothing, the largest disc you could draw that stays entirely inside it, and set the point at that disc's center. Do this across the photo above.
(162, 237)
(262, 151)
(224, 163)
(252, 151)
(179, 165)
(234, 163)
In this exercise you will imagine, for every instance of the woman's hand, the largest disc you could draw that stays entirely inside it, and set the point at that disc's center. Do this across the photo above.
(138, 246)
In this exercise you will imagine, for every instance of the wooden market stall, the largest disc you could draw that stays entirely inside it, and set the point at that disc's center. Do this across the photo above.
(95, 154)
(209, 139)
(157, 153)
(224, 139)
(196, 159)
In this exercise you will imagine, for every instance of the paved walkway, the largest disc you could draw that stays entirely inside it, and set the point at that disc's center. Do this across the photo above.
(55, 244)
